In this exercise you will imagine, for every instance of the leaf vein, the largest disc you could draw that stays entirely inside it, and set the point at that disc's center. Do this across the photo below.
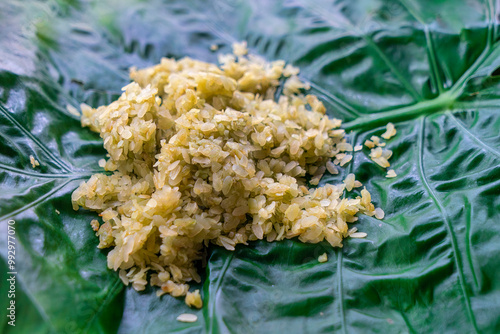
(111, 293)
(340, 257)
(28, 134)
(218, 284)
(473, 136)
(37, 201)
(369, 41)
(42, 175)
(449, 227)
(340, 288)
(468, 219)
(37, 305)
(433, 63)
(336, 101)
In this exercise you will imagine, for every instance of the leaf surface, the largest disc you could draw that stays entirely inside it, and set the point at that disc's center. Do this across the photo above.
(430, 67)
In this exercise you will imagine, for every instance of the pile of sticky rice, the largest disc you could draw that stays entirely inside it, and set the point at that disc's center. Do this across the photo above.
(201, 154)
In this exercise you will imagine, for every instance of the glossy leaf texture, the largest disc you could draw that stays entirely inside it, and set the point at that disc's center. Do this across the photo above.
(430, 67)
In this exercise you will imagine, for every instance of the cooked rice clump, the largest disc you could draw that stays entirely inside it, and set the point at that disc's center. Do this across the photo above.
(203, 153)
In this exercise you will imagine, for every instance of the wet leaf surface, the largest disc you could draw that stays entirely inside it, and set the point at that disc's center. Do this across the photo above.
(430, 67)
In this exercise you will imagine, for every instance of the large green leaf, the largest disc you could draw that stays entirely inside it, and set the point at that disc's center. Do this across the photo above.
(430, 67)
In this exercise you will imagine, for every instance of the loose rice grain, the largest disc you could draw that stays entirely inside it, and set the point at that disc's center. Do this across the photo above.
(34, 163)
(391, 173)
(187, 317)
(390, 131)
(323, 258)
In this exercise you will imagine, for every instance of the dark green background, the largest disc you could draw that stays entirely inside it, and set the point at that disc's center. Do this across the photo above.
(431, 67)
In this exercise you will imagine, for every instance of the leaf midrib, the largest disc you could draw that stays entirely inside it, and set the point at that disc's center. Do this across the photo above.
(442, 103)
